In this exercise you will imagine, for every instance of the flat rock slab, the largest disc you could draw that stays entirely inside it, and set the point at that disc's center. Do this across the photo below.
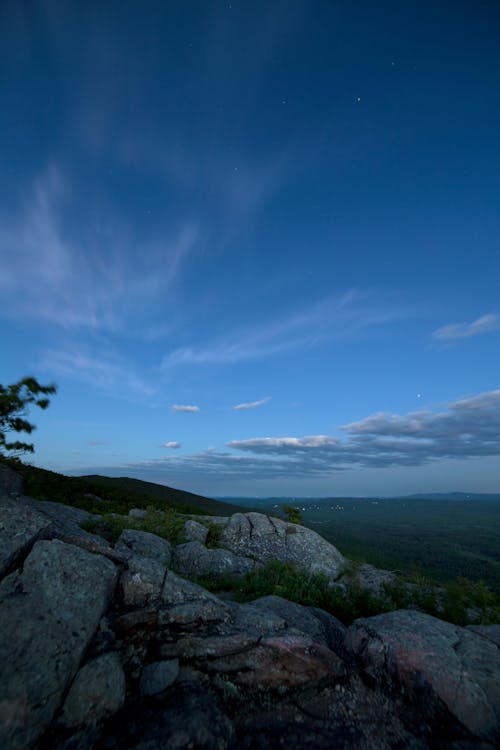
(280, 661)
(48, 615)
(267, 539)
(435, 663)
(19, 528)
(57, 511)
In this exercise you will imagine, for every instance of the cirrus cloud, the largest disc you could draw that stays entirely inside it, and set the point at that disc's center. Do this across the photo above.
(252, 404)
(453, 331)
(186, 408)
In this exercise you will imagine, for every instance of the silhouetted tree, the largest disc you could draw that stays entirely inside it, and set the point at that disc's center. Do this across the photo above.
(15, 400)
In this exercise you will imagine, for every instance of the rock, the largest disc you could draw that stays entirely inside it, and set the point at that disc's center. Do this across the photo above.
(195, 532)
(11, 483)
(65, 514)
(249, 619)
(141, 584)
(137, 513)
(491, 632)
(372, 578)
(183, 603)
(196, 648)
(48, 615)
(194, 559)
(267, 539)
(158, 676)
(189, 716)
(132, 542)
(295, 616)
(283, 660)
(19, 529)
(98, 691)
(435, 663)
(334, 630)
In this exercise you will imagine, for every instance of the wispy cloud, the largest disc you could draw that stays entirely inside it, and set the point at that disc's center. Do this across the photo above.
(252, 404)
(96, 443)
(453, 331)
(171, 444)
(87, 277)
(102, 369)
(185, 408)
(338, 317)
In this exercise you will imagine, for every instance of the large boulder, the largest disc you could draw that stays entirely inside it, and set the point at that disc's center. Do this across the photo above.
(441, 668)
(194, 559)
(267, 539)
(19, 529)
(49, 612)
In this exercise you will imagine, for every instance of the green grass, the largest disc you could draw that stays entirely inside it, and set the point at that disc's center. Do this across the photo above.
(353, 601)
(167, 524)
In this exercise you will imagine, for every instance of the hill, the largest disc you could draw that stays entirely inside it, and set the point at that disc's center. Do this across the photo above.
(92, 493)
(173, 497)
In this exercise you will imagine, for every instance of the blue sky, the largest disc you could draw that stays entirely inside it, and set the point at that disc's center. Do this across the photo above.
(256, 245)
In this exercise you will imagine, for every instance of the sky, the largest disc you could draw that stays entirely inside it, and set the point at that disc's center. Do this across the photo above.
(255, 244)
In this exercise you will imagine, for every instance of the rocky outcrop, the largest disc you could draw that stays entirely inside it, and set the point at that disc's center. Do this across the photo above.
(267, 538)
(49, 612)
(111, 648)
(445, 670)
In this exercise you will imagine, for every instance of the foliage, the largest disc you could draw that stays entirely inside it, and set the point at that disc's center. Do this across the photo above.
(165, 523)
(15, 400)
(214, 534)
(298, 585)
(292, 514)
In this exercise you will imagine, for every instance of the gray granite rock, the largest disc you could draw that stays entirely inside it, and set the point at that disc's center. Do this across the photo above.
(57, 511)
(19, 529)
(158, 676)
(267, 539)
(48, 615)
(132, 542)
(142, 582)
(98, 691)
(194, 559)
(435, 664)
(184, 602)
(295, 616)
(137, 513)
(195, 532)
(491, 632)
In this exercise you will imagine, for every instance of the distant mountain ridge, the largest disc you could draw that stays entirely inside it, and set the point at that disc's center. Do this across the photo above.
(459, 496)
